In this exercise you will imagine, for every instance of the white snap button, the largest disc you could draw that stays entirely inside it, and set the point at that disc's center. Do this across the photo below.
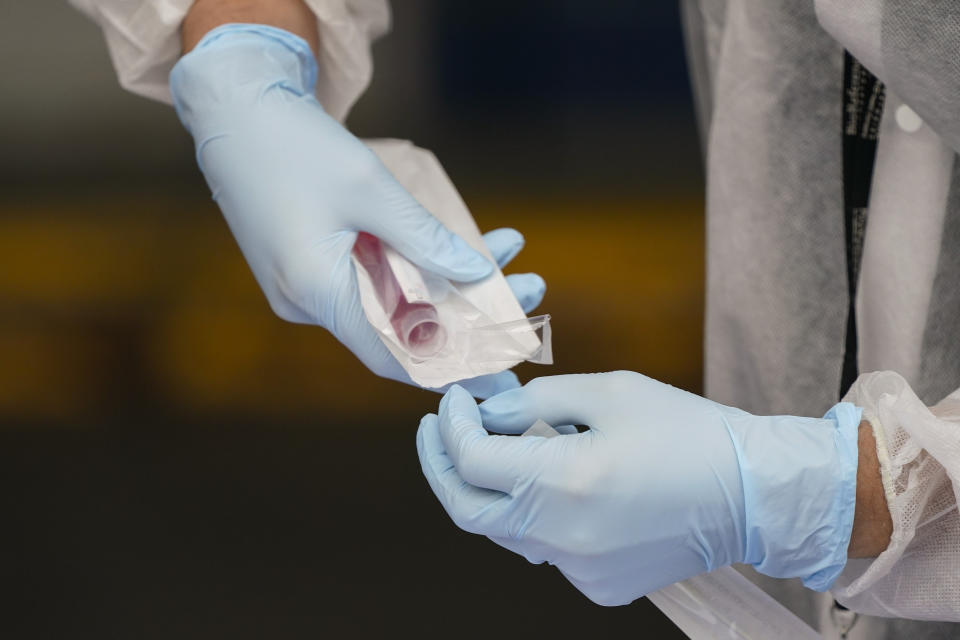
(908, 119)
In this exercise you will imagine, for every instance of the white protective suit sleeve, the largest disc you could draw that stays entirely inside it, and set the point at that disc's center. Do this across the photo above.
(918, 575)
(144, 43)
(911, 46)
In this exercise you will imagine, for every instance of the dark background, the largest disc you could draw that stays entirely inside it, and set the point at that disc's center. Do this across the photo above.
(177, 462)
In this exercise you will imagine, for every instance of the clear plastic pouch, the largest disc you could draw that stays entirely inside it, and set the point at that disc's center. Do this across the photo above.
(436, 333)
(441, 331)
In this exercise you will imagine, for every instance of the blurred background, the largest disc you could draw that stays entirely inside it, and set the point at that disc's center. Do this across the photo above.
(178, 462)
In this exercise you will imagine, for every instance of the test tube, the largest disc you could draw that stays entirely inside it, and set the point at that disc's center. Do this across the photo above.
(416, 324)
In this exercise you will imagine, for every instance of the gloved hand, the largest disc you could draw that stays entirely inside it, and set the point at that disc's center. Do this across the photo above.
(665, 485)
(296, 187)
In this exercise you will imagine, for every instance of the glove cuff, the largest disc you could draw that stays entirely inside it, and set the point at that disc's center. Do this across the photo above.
(799, 483)
(846, 418)
(236, 65)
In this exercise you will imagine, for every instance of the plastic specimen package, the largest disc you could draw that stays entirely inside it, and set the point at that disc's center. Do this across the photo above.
(719, 604)
(441, 331)
(724, 604)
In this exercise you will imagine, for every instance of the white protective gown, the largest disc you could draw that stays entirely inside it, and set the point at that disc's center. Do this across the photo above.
(768, 81)
(768, 78)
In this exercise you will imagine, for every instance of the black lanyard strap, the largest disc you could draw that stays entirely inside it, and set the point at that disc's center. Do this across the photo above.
(863, 98)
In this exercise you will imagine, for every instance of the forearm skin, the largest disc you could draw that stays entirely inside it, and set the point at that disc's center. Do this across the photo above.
(872, 524)
(291, 15)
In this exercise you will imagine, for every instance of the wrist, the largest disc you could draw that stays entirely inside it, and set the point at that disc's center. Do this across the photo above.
(240, 52)
(872, 524)
(290, 15)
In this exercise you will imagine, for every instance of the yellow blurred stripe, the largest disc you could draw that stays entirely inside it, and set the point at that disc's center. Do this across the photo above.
(83, 283)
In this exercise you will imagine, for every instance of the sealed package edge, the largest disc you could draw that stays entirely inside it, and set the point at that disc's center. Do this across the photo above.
(442, 331)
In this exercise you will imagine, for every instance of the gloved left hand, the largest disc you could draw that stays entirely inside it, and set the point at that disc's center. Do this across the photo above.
(295, 187)
(665, 485)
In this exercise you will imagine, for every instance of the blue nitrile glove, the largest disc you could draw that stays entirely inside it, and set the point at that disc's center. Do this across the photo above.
(296, 187)
(664, 486)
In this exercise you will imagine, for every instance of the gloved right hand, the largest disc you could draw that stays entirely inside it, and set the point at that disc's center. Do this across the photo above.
(665, 484)
(296, 187)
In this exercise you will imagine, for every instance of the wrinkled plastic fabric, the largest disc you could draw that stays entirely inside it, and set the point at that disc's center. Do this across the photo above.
(918, 576)
(441, 331)
(767, 79)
